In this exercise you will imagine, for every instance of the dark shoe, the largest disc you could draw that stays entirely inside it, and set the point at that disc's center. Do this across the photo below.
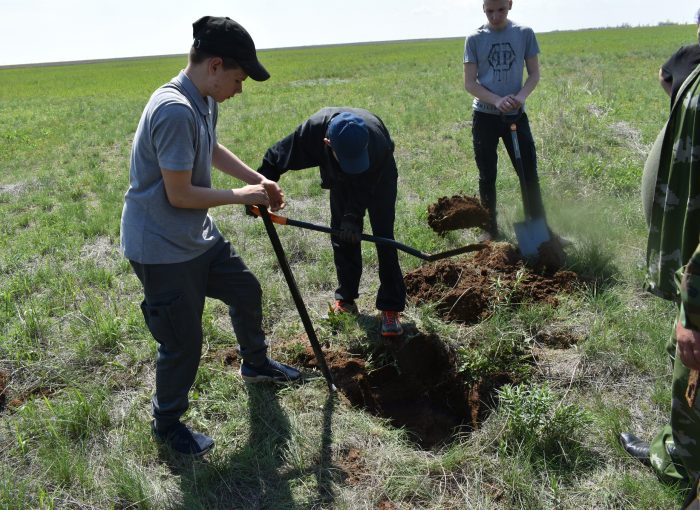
(182, 440)
(635, 447)
(342, 306)
(391, 324)
(271, 370)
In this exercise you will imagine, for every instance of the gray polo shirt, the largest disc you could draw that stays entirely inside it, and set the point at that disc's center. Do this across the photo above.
(500, 59)
(177, 131)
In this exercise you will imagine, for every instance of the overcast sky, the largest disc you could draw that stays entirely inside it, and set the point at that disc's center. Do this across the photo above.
(34, 31)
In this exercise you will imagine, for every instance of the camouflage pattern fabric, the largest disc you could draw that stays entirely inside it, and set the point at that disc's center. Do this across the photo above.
(673, 262)
(690, 291)
(674, 232)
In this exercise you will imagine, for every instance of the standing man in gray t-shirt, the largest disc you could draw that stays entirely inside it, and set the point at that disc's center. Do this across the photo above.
(171, 241)
(494, 58)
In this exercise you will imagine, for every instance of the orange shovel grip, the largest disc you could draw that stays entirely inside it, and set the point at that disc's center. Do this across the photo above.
(280, 220)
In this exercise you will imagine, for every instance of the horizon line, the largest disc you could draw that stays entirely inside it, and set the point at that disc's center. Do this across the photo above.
(303, 46)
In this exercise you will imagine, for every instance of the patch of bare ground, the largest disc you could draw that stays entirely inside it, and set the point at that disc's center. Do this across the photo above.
(13, 189)
(352, 465)
(630, 136)
(102, 252)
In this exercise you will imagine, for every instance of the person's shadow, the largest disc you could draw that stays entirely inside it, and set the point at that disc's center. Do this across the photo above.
(255, 476)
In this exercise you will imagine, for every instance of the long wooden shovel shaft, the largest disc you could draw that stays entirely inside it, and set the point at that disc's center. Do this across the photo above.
(296, 295)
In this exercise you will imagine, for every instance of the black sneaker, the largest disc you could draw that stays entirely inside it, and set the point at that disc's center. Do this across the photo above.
(182, 440)
(271, 370)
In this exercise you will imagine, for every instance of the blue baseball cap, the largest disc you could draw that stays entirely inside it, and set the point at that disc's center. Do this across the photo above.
(349, 137)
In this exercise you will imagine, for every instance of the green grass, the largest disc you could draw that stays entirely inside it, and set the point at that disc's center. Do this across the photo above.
(80, 361)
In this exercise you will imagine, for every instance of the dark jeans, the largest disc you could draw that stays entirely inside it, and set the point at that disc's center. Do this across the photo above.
(391, 295)
(174, 296)
(487, 130)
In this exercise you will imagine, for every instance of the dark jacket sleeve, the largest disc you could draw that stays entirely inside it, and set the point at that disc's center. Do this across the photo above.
(667, 67)
(300, 149)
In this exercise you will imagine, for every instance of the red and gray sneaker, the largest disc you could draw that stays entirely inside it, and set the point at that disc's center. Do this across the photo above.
(391, 323)
(343, 306)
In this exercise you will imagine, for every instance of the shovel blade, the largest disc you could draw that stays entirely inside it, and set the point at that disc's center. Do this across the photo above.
(531, 234)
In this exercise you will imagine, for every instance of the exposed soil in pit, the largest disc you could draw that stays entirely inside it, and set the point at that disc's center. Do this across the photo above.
(457, 212)
(415, 384)
(466, 289)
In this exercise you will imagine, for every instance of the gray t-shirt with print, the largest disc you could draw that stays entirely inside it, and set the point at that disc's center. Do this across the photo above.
(500, 58)
(177, 131)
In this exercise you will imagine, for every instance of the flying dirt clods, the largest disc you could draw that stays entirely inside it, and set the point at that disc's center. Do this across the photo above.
(457, 212)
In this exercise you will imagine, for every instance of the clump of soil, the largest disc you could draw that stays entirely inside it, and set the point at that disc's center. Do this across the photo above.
(457, 212)
(351, 464)
(414, 382)
(466, 290)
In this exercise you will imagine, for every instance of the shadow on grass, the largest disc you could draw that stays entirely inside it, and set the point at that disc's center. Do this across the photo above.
(257, 475)
(325, 472)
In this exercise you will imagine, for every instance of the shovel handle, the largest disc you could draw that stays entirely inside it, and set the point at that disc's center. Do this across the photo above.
(255, 211)
(281, 220)
(296, 295)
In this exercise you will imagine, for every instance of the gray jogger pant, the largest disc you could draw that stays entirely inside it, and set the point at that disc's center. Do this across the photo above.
(173, 304)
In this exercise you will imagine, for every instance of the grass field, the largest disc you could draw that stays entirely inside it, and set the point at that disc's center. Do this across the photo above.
(76, 360)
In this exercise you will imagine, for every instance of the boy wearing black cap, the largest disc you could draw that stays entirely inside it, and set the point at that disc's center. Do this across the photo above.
(355, 155)
(172, 243)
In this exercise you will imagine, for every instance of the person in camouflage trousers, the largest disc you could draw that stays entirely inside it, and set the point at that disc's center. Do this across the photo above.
(673, 261)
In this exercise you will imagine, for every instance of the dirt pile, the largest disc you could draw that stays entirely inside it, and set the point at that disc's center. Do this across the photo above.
(466, 290)
(457, 212)
(414, 382)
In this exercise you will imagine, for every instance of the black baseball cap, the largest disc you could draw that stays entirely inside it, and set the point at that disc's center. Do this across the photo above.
(224, 37)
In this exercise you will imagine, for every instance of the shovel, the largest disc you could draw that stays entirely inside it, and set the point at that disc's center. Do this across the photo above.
(281, 220)
(531, 232)
(296, 296)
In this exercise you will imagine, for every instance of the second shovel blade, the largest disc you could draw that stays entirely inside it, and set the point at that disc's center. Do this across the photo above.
(531, 234)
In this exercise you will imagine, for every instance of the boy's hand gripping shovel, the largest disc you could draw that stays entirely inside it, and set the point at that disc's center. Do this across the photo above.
(531, 232)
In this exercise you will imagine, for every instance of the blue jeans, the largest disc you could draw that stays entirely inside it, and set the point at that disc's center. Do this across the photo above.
(173, 304)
